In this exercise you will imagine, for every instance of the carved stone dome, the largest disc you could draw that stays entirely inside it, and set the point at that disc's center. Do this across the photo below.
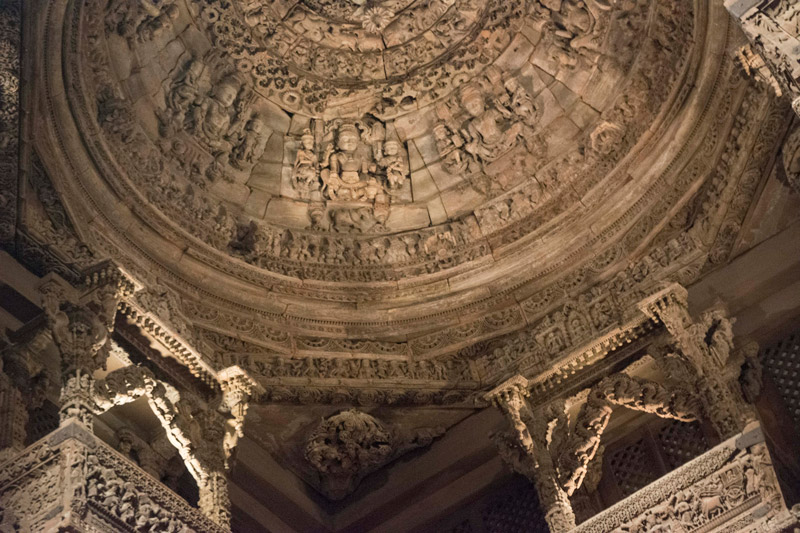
(329, 265)
(429, 175)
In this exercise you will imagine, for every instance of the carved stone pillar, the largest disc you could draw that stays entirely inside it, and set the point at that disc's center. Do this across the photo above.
(81, 325)
(773, 55)
(238, 388)
(80, 338)
(214, 500)
(704, 357)
(536, 461)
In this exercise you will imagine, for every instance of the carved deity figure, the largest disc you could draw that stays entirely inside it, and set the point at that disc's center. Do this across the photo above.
(484, 130)
(183, 93)
(519, 102)
(305, 174)
(251, 146)
(572, 29)
(346, 169)
(394, 164)
(154, 27)
(211, 119)
(144, 20)
(450, 147)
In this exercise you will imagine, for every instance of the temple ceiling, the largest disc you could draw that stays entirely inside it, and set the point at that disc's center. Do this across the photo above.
(393, 201)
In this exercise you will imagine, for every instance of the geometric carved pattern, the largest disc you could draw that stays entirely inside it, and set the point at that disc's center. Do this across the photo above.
(511, 507)
(515, 512)
(782, 362)
(632, 467)
(42, 421)
(462, 527)
(680, 442)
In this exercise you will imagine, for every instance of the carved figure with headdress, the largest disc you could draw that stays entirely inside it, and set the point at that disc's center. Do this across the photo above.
(394, 164)
(487, 131)
(305, 172)
(211, 119)
(345, 167)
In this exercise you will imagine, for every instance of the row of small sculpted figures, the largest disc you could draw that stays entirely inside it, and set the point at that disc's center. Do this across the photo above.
(450, 370)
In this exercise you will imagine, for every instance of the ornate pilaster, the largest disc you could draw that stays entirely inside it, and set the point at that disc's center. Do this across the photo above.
(529, 454)
(773, 55)
(705, 350)
(13, 418)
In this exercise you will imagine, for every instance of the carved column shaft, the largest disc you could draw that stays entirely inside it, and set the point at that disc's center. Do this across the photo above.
(541, 470)
(214, 500)
(705, 348)
(81, 328)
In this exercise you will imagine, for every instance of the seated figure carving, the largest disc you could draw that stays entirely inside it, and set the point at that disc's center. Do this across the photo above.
(346, 168)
